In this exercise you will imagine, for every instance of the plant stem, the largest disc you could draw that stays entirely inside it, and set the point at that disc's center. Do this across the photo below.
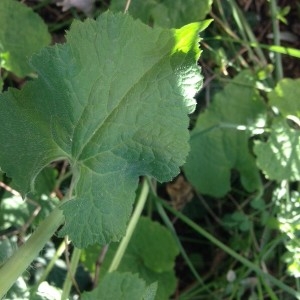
(274, 48)
(71, 274)
(232, 253)
(170, 226)
(276, 32)
(131, 226)
(246, 32)
(22, 258)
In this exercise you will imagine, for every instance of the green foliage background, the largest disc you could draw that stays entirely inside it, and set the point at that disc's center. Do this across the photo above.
(111, 105)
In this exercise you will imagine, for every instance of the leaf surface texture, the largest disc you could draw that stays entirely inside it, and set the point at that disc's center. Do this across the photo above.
(113, 101)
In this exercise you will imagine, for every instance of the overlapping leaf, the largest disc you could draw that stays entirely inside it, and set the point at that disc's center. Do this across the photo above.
(219, 141)
(22, 32)
(285, 97)
(166, 13)
(279, 156)
(151, 253)
(113, 101)
(125, 286)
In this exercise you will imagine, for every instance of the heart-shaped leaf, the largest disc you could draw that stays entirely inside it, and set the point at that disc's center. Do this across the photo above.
(113, 101)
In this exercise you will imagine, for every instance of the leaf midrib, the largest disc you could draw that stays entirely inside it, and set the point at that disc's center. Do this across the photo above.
(114, 110)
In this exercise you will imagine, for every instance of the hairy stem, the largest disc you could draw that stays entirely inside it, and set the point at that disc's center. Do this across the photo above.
(22, 258)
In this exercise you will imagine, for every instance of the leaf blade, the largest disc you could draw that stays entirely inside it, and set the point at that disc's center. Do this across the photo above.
(111, 105)
(217, 144)
(22, 32)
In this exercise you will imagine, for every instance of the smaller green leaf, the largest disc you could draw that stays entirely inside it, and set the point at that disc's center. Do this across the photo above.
(237, 220)
(89, 256)
(181, 12)
(151, 253)
(22, 33)
(125, 286)
(220, 139)
(159, 255)
(286, 97)
(278, 158)
(258, 203)
(166, 13)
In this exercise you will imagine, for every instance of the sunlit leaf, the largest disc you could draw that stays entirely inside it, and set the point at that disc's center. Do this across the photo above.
(285, 97)
(113, 101)
(279, 156)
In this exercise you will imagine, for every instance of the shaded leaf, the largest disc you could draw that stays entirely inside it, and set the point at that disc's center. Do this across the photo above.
(219, 141)
(159, 255)
(166, 13)
(153, 262)
(113, 101)
(115, 285)
(22, 32)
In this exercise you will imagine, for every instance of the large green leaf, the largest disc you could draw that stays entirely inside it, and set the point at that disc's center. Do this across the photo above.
(125, 286)
(151, 253)
(22, 32)
(113, 101)
(219, 141)
(166, 13)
